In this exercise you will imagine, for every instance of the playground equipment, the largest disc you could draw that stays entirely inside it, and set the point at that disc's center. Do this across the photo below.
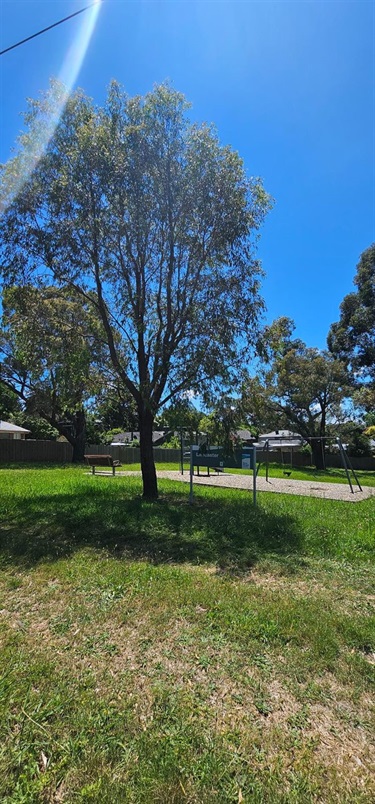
(345, 460)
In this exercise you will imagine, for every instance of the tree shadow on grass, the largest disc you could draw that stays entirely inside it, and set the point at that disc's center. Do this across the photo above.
(222, 529)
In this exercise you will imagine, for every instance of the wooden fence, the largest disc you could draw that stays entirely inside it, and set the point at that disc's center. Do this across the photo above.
(35, 451)
(133, 454)
(30, 451)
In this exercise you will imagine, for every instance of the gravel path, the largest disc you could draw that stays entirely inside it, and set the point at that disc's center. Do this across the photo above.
(278, 485)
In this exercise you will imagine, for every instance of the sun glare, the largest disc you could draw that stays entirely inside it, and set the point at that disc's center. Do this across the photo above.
(36, 144)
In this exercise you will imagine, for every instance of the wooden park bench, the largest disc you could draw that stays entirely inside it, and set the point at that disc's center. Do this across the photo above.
(101, 460)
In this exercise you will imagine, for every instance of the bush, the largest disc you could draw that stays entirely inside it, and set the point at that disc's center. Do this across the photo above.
(359, 444)
(172, 443)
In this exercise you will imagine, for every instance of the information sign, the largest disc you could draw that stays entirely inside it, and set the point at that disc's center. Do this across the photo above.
(217, 458)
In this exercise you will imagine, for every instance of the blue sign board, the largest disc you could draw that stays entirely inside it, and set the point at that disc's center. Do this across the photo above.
(216, 457)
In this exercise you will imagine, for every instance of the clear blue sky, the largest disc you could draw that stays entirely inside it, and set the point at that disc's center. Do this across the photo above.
(288, 84)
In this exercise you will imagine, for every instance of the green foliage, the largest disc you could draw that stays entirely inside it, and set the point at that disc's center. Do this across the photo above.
(94, 430)
(364, 398)
(115, 408)
(359, 443)
(173, 442)
(110, 435)
(180, 414)
(39, 428)
(9, 403)
(52, 356)
(352, 338)
(222, 423)
(370, 419)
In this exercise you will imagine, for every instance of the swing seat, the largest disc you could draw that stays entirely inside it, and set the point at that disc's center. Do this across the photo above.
(287, 473)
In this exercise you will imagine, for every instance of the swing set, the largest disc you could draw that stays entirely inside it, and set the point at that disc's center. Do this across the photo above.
(345, 460)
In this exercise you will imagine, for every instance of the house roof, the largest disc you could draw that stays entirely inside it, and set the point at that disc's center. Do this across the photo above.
(245, 435)
(9, 427)
(280, 434)
(281, 438)
(123, 438)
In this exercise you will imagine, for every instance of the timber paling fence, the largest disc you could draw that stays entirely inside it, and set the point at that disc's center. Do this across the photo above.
(60, 452)
(30, 451)
(35, 451)
(133, 454)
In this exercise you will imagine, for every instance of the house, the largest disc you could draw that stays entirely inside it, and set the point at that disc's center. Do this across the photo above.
(124, 439)
(245, 436)
(278, 439)
(12, 432)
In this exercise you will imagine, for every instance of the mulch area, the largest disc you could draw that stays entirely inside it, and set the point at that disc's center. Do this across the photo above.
(277, 485)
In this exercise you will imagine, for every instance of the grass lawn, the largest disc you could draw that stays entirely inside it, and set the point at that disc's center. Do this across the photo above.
(158, 652)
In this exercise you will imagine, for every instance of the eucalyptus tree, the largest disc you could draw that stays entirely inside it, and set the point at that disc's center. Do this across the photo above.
(352, 338)
(299, 387)
(52, 357)
(151, 221)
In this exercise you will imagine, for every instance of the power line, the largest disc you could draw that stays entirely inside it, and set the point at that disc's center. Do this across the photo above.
(22, 42)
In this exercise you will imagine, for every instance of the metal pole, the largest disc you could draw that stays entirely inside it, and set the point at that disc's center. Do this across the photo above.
(254, 476)
(267, 459)
(191, 476)
(182, 452)
(341, 448)
(351, 467)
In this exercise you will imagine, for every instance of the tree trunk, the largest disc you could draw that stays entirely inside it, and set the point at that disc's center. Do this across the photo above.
(78, 440)
(150, 486)
(318, 454)
(78, 450)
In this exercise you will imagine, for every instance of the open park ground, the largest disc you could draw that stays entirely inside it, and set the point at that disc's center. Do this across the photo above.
(162, 652)
(308, 487)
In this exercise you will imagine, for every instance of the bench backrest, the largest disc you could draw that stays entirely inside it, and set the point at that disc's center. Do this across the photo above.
(99, 460)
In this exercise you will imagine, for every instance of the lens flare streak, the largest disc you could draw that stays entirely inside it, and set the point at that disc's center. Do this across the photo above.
(36, 141)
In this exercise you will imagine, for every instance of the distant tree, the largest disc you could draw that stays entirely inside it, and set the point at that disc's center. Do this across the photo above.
(172, 442)
(39, 428)
(181, 414)
(352, 338)
(94, 429)
(50, 358)
(111, 435)
(222, 424)
(152, 222)
(355, 438)
(115, 408)
(303, 387)
(363, 395)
